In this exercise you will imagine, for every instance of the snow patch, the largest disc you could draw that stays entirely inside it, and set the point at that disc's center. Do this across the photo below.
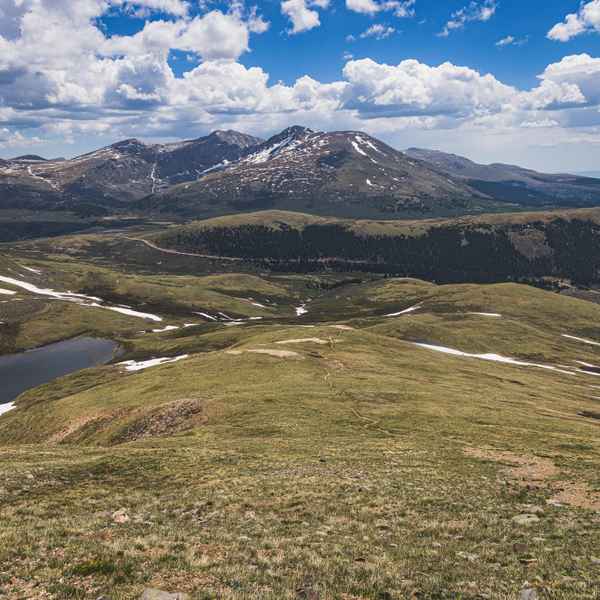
(492, 357)
(264, 155)
(588, 365)
(358, 148)
(4, 408)
(301, 310)
(7, 292)
(127, 311)
(206, 316)
(484, 314)
(132, 365)
(32, 270)
(167, 328)
(406, 311)
(369, 144)
(583, 340)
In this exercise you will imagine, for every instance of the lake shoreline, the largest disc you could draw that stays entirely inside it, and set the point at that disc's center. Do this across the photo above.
(26, 370)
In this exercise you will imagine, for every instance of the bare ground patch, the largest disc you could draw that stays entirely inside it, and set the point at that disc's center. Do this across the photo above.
(170, 418)
(534, 471)
(312, 340)
(576, 494)
(526, 470)
(275, 353)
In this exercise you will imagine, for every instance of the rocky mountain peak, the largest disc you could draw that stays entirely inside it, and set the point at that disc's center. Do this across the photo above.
(234, 138)
(131, 145)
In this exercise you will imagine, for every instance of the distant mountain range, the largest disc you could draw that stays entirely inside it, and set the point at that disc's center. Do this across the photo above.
(346, 174)
(509, 183)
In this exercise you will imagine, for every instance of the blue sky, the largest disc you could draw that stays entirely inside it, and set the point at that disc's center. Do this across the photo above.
(412, 72)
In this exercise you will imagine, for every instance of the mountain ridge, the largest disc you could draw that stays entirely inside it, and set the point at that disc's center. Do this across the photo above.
(341, 173)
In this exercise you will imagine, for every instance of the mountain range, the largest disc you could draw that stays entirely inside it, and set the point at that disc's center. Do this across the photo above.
(510, 183)
(346, 173)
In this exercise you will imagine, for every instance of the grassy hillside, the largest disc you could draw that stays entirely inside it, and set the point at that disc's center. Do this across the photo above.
(316, 453)
(30, 319)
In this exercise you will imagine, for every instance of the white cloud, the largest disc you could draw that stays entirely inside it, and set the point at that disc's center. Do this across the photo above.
(579, 70)
(82, 67)
(178, 8)
(378, 31)
(511, 40)
(10, 139)
(400, 8)
(476, 10)
(551, 95)
(213, 36)
(543, 124)
(302, 13)
(585, 20)
(412, 88)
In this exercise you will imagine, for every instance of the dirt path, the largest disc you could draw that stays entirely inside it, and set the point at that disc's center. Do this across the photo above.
(322, 260)
(176, 252)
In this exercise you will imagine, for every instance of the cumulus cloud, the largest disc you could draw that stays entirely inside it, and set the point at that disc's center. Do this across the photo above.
(477, 10)
(303, 14)
(580, 70)
(81, 66)
(412, 88)
(400, 8)
(551, 95)
(585, 20)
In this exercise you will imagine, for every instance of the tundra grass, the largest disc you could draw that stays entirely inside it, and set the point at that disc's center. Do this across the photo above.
(340, 462)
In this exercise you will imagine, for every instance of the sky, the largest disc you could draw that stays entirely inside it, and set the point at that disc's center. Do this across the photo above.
(495, 80)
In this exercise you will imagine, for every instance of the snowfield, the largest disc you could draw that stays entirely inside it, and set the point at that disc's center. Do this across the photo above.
(80, 299)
